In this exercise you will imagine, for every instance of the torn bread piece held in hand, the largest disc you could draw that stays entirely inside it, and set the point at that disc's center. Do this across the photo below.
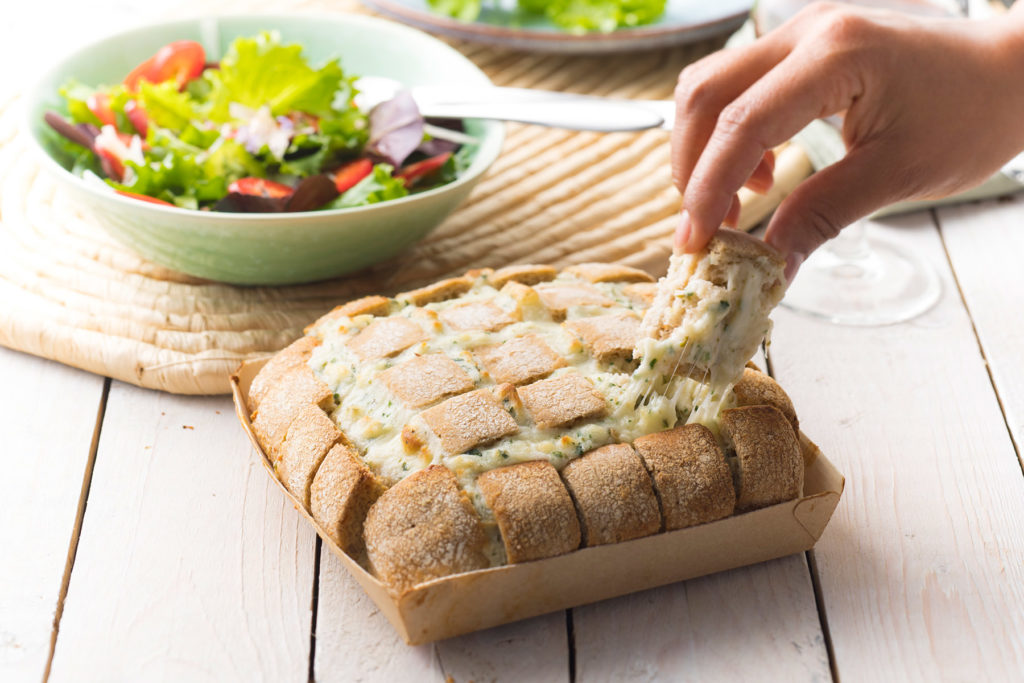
(711, 310)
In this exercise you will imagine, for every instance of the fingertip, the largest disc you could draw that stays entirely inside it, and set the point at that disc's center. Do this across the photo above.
(683, 231)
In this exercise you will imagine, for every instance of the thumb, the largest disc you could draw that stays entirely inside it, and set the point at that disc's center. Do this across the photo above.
(827, 202)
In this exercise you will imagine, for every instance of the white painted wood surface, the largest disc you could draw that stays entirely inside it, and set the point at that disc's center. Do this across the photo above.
(986, 248)
(922, 566)
(191, 565)
(45, 459)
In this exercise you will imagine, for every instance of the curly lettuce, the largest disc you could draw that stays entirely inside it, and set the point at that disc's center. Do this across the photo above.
(574, 16)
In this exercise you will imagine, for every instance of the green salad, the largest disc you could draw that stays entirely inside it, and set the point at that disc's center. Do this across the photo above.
(263, 130)
(575, 16)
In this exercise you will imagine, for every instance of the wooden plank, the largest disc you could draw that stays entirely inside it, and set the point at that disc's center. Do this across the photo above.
(191, 564)
(922, 568)
(985, 243)
(49, 413)
(754, 623)
(354, 642)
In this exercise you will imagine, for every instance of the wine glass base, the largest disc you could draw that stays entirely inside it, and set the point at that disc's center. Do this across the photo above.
(882, 285)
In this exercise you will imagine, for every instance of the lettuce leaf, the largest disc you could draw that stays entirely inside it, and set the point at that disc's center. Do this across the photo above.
(177, 178)
(463, 10)
(379, 186)
(166, 106)
(261, 71)
(581, 16)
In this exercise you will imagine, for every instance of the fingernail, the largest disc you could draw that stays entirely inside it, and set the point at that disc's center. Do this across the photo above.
(793, 262)
(683, 231)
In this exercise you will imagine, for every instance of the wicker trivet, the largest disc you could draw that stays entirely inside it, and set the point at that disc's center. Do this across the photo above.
(72, 294)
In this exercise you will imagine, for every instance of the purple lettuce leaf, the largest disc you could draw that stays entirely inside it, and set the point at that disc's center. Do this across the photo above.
(396, 129)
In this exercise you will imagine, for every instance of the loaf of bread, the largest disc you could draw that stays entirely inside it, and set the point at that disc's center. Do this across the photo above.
(496, 418)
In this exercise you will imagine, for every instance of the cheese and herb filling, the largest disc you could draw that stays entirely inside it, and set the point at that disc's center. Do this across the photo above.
(710, 313)
(505, 372)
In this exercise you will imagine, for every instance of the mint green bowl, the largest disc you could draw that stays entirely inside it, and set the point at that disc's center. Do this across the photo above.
(273, 248)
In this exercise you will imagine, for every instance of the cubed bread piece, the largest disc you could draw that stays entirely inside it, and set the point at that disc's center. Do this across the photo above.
(295, 389)
(755, 388)
(309, 437)
(528, 303)
(558, 297)
(525, 274)
(477, 315)
(426, 379)
(367, 305)
(386, 337)
(534, 511)
(293, 355)
(342, 492)
(519, 360)
(607, 337)
(468, 420)
(562, 400)
(608, 272)
(423, 528)
(613, 495)
(691, 476)
(641, 293)
(438, 291)
(768, 467)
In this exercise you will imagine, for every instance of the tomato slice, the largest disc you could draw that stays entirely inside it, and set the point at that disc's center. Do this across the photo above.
(348, 176)
(180, 61)
(143, 198)
(111, 164)
(260, 187)
(99, 104)
(137, 117)
(414, 172)
(143, 72)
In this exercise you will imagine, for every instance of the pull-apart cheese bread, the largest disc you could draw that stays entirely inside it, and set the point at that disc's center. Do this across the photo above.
(505, 416)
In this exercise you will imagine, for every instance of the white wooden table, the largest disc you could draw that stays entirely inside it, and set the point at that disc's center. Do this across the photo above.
(141, 541)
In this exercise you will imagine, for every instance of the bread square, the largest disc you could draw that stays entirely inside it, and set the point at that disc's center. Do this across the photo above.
(769, 466)
(562, 400)
(438, 291)
(607, 337)
(533, 510)
(520, 360)
(641, 293)
(386, 337)
(558, 297)
(340, 495)
(525, 274)
(477, 315)
(295, 389)
(608, 272)
(613, 494)
(292, 356)
(367, 305)
(310, 435)
(469, 420)
(690, 473)
(426, 379)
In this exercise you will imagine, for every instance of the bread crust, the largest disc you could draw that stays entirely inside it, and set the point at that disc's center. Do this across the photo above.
(768, 467)
(607, 337)
(437, 291)
(295, 389)
(608, 272)
(367, 305)
(563, 400)
(291, 356)
(519, 360)
(533, 510)
(691, 476)
(523, 274)
(423, 528)
(310, 435)
(613, 494)
(756, 388)
(340, 496)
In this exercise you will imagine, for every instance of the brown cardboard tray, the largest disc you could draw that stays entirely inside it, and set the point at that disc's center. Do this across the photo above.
(462, 603)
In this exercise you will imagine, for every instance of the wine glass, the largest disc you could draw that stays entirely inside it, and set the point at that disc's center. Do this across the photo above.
(858, 278)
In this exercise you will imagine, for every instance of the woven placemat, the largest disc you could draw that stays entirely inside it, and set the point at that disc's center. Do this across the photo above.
(72, 294)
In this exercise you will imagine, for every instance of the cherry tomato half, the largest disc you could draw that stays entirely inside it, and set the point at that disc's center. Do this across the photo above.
(348, 176)
(143, 198)
(180, 61)
(99, 104)
(137, 117)
(260, 187)
(413, 172)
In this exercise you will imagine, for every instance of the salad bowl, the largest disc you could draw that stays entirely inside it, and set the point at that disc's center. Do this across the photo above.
(270, 248)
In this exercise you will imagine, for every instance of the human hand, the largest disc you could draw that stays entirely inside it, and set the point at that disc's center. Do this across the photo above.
(930, 107)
